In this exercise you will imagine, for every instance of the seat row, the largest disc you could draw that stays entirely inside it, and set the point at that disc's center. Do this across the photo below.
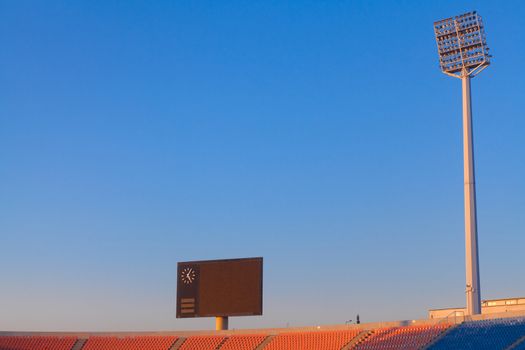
(499, 334)
(304, 340)
(480, 335)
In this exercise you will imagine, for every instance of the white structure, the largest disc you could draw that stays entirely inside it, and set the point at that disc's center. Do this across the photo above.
(488, 307)
(463, 53)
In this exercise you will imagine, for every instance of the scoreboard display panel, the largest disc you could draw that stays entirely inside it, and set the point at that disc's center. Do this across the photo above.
(211, 288)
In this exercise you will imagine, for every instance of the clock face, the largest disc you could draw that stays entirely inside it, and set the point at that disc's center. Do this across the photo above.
(188, 275)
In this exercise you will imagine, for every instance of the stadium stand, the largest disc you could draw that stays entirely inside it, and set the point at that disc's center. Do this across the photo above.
(243, 342)
(130, 343)
(202, 342)
(406, 338)
(36, 343)
(485, 332)
(314, 340)
(480, 335)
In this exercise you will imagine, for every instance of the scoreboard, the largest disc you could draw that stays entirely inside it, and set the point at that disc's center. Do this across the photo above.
(213, 288)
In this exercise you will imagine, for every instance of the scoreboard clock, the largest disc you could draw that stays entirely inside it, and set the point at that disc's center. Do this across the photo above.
(188, 275)
(214, 288)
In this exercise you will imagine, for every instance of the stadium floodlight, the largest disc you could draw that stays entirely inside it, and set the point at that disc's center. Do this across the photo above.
(463, 53)
(462, 45)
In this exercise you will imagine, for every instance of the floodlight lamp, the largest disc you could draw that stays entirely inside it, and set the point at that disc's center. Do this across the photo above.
(462, 45)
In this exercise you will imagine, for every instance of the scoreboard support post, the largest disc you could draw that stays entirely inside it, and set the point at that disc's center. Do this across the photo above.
(221, 323)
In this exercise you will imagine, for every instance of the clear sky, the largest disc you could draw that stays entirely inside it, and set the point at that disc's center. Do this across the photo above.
(320, 135)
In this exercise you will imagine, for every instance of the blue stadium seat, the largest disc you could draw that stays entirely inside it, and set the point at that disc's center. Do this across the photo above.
(480, 335)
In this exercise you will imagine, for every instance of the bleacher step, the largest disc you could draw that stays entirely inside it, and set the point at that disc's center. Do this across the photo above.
(178, 343)
(439, 337)
(265, 342)
(357, 339)
(79, 344)
(516, 343)
(221, 343)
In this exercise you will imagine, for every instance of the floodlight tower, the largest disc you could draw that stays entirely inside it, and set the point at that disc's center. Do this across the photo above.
(463, 54)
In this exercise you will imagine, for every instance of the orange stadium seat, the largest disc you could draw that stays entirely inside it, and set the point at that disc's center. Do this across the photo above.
(130, 343)
(243, 342)
(402, 338)
(36, 343)
(313, 340)
(202, 342)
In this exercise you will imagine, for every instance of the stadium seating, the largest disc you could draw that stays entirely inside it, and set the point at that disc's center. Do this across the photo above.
(36, 343)
(129, 343)
(494, 334)
(406, 338)
(480, 335)
(314, 340)
(243, 342)
(202, 342)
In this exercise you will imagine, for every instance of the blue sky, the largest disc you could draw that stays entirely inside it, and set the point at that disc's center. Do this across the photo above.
(320, 135)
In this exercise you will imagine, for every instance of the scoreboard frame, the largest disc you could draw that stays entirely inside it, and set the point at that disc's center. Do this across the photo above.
(220, 288)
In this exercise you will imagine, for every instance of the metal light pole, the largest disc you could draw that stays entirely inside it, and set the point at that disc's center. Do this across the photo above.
(463, 53)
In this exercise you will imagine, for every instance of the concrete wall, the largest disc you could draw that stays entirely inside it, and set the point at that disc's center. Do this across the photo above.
(493, 306)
